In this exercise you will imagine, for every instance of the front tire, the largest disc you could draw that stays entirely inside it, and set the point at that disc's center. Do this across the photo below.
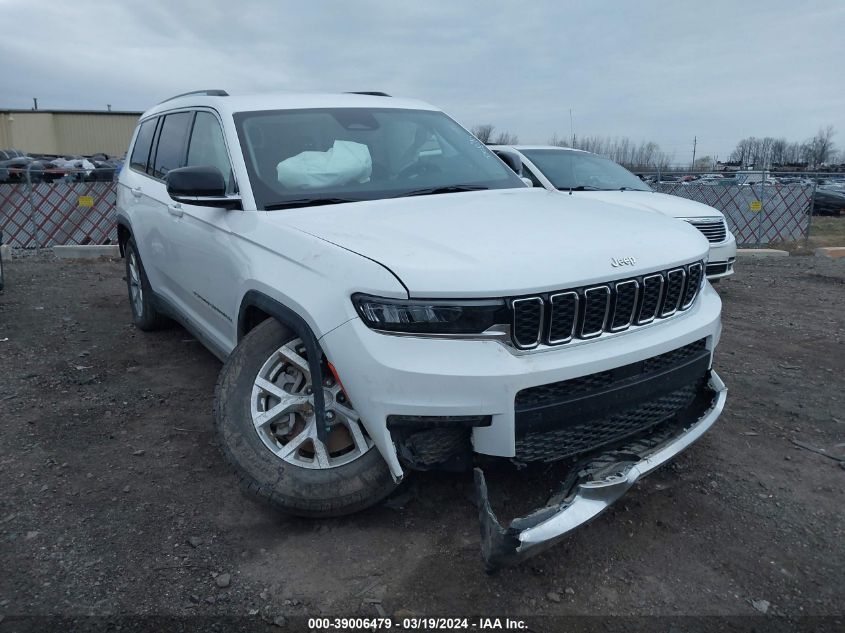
(264, 411)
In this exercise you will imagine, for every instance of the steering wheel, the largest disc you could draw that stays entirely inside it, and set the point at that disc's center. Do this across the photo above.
(417, 169)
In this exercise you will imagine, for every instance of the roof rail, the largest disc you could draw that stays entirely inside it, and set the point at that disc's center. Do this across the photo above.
(214, 92)
(372, 93)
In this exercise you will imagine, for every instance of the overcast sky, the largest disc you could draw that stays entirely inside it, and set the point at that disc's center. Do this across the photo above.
(662, 71)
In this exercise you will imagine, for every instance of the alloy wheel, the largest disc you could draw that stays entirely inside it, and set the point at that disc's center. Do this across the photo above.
(282, 407)
(136, 293)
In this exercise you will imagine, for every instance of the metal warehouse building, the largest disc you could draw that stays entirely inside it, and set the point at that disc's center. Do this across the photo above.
(67, 132)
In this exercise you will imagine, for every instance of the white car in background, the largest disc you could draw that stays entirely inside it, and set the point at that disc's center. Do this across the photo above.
(589, 175)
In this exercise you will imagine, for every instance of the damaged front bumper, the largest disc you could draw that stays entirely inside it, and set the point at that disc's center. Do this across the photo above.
(597, 484)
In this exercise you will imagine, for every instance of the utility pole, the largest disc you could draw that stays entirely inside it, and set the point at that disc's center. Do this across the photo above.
(571, 128)
(694, 143)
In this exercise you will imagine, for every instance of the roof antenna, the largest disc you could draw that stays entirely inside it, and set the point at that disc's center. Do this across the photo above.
(35, 103)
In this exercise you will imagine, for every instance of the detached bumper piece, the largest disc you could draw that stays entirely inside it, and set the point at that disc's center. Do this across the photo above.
(596, 481)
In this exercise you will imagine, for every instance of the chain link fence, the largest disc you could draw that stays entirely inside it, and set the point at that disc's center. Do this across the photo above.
(48, 208)
(42, 208)
(760, 207)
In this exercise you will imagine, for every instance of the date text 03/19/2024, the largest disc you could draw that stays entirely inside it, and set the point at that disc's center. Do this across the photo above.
(417, 623)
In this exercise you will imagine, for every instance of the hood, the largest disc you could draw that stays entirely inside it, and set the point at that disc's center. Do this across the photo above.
(500, 242)
(673, 206)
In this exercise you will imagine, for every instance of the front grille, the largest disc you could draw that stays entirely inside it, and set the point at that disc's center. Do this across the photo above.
(713, 229)
(527, 321)
(563, 317)
(596, 306)
(652, 293)
(694, 273)
(556, 391)
(625, 304)
(674, 291)
(557, 444)
(582, 414)
(582, 313)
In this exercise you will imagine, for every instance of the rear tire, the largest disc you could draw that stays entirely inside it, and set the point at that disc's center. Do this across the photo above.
(259, 382)
(144, 315)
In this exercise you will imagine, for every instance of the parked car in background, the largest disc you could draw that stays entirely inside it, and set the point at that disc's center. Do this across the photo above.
(709, 179)
(20, 167)
(6, 154)
(828, 201)
(834, 184)
(589, 175)
(388, 296)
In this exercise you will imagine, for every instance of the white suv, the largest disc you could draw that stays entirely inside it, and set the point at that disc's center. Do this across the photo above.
(387, 295)
(574, 171)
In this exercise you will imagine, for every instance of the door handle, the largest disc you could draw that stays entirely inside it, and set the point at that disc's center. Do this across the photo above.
(136, 191)
(175, 209)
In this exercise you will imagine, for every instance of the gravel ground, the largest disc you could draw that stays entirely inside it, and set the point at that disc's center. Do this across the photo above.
(116, 500)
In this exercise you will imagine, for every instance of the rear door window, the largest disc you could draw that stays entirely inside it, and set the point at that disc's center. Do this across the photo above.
(172, 143)
(143, 143)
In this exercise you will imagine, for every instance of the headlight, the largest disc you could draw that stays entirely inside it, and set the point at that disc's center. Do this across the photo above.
(431, 316)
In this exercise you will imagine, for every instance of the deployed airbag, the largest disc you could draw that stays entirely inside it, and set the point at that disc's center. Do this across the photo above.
(344, 163)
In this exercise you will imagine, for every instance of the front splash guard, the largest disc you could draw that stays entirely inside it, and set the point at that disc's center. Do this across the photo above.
(603, 480)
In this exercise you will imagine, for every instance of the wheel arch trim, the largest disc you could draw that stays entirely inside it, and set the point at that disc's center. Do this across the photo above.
(121, 220)
(292, 320)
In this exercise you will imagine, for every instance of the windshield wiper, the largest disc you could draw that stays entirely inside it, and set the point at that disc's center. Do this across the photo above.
(449, 189)
(580, 188)
(306, 202)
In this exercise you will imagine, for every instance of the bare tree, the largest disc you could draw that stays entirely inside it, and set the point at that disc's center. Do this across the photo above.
(779, 147)
(703, 163)
(558, 141)
(483, 132)
(821, 147)
(762, 153)
(505, 138)
(645, 156)
(744, 151)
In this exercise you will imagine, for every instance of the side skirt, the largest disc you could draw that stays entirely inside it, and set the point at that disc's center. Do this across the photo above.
(166, 308)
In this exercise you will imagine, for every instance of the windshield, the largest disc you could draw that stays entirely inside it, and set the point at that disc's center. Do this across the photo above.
(583, 171)
(330, 155)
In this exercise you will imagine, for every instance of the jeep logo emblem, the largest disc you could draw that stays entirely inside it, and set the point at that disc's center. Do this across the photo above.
(622, 261)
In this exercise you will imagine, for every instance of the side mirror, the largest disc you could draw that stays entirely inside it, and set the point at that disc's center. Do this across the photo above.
(512, 160)
(203, 186)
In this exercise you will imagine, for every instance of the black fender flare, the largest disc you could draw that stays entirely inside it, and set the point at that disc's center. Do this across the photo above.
(121, 219)
(292, 320)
